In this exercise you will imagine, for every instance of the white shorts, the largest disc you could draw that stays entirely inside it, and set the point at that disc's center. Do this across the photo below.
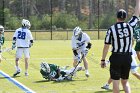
(134, 67)
(22, 50)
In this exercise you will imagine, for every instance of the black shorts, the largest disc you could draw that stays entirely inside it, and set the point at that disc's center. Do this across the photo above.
(120, 66)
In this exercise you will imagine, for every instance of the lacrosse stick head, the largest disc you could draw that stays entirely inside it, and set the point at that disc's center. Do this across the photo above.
(69, 78)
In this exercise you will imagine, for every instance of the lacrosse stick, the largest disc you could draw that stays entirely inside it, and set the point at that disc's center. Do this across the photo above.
(69, 77)
(6, 49)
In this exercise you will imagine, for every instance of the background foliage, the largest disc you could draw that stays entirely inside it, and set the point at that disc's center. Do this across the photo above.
(62, 14)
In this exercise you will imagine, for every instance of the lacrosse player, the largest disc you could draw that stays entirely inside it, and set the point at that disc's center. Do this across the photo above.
(53, 72)
(80, 45)
(137, 37)
(23, 40)
(120, 37)
(1, 40)
(134, 68)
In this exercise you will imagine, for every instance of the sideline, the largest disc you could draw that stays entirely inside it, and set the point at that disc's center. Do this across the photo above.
(15, 82)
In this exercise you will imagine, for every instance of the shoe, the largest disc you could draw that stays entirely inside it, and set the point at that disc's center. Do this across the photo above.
(16, 73)
(106, 87)
(87, 73)
(26, 74)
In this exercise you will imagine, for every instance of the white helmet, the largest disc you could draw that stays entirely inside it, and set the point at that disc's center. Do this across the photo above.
(26, 23)
(1, 29)
(45, 67)
(77, 31)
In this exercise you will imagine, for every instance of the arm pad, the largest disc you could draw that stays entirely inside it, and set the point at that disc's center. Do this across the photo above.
(75, 52)
(89, 45)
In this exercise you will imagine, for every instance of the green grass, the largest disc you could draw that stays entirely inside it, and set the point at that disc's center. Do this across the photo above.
(58, 35)
(59, 52)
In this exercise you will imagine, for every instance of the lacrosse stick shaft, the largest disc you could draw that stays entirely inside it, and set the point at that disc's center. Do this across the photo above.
(6, 49)
(76, 65)
(74, 69)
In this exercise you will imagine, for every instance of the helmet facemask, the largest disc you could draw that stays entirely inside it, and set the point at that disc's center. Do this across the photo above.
(77, 32)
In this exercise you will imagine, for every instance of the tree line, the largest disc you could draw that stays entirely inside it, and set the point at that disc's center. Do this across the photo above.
(62, 14)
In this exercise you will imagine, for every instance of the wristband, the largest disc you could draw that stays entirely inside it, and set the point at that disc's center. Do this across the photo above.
(102, 60)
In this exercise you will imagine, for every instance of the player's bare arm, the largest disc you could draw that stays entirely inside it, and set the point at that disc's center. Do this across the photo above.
(105, 51)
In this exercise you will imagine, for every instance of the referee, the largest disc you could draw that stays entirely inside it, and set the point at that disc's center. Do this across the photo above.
(120, 36)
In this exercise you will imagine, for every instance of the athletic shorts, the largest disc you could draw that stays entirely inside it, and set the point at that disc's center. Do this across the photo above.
(134, 67)
(21, 51)
(120, 65)
(137, 46)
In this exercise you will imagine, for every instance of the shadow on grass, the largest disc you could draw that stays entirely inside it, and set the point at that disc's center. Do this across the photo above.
(43, 81)
(106, 91)
(9, 77)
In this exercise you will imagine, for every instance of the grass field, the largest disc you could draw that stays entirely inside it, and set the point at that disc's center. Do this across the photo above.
(58, 52)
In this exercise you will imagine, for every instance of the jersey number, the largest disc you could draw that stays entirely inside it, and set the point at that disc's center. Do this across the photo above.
(21, 35)
(53, 73)
(123, 32)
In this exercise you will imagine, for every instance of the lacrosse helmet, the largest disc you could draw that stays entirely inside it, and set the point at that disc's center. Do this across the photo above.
(77, 31)
(45, 67)
(26, 23)
(1, 29)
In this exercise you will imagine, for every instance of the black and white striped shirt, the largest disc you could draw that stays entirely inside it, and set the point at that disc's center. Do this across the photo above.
(120, 35)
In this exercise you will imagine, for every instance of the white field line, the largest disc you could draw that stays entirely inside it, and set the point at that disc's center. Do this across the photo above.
(17, 83)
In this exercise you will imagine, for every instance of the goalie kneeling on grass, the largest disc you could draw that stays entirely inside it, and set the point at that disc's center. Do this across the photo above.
(53, 72)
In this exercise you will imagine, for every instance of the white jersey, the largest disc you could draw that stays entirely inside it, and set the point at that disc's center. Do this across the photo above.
(80, 44)
(23, 37)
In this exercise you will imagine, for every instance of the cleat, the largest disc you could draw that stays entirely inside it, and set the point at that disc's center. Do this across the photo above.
(16, 73)
(87, 73)
(106, 87)
(26, 74)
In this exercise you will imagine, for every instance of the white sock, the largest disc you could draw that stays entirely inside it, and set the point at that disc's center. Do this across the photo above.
(86, 71)
(26, 71)
(17, 68)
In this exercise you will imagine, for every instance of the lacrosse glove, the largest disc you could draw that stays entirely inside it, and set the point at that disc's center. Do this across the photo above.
(60, 78)
(13, 46)
(89, 45)
(30, 45)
